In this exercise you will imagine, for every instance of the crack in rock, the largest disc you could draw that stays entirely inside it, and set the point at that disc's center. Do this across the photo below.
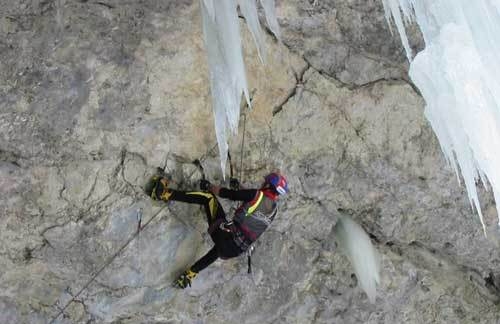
(92, 188)
(296, 90)
(356, 86)
(104, 4)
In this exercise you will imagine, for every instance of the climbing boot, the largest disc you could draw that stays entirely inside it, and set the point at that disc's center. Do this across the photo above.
(157, 188)
(185, 279)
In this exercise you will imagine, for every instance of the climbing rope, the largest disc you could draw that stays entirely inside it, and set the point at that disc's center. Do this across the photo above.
(197, 163)
(251, 248)
(242, 146)
(108, 262)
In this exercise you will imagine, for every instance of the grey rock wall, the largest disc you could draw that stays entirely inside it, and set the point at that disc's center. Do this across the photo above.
(94, 95)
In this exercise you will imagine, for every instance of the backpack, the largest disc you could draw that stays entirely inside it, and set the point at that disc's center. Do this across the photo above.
(252, 219)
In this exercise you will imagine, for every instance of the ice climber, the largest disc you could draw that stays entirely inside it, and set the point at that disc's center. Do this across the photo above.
(234, 237)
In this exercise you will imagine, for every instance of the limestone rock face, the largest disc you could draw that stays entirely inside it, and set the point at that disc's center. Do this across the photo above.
(94, 95)
(348, 40)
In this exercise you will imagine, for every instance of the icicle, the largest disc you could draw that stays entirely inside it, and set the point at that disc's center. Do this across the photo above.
(249, 11)
(357, 246)
(209, 8)
(272, 20)
(227, 71)
(392, 7)
(457, 73)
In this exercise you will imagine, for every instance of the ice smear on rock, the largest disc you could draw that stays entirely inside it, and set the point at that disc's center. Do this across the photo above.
(357, 246)
(457, 73)
(225, 59)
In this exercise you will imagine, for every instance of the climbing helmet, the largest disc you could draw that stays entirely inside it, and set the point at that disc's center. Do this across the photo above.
(278, 182)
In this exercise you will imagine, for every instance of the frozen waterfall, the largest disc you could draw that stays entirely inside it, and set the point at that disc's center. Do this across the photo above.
(457, 73)
(221, 30)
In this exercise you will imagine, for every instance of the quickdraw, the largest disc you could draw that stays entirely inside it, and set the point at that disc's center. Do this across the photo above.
(139, 219)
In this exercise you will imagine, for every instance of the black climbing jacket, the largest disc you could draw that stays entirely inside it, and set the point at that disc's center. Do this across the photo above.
(253, 217)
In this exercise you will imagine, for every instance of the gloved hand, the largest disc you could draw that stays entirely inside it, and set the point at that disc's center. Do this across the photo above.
(234, 183)
(205, 185)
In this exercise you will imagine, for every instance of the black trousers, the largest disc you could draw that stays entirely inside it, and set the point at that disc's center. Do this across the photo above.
(224, 247)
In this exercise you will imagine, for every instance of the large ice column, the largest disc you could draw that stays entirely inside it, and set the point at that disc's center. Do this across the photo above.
(457, 73)
(227, 70)
(225, 59)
